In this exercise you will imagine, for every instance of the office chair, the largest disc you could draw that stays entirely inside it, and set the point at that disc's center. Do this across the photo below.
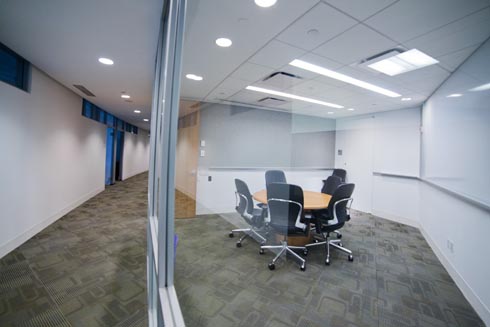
(285, 204)
(274, 176)
(341, 173)
(336, 215)
(253, 216)
(330, 184)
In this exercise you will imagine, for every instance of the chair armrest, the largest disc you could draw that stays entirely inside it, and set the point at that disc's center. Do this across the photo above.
(347, 208)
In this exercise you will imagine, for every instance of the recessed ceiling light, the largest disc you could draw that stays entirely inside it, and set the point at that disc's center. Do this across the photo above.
(125, 96)
(341, 77)
(351, 109)
(403, 62)
(223, 42)
(146, 119)
(137, 111)
(265, 3)
(406, 99)
(194, 77)
(106, 61)
(454, 95)
(293, 96)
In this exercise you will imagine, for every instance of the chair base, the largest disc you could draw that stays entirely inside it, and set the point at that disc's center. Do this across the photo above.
(284, 248)
(336, 244)
(246, 233)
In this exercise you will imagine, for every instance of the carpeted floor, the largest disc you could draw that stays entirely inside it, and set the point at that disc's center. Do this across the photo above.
(89, 269)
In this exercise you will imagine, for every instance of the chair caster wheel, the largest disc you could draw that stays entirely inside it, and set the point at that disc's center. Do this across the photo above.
(350, 257)
(239, 245)
(231, 234)
(261, 251)
(339, 236)
(340, 243)
(327, 262)
(303, 267)
(272, 266)
(305, 252)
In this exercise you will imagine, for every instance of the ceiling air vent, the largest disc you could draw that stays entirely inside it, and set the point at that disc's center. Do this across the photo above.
(270, 101)
(281, 80)
(84, 90)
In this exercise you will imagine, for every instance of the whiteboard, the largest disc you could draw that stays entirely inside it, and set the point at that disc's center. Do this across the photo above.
(456, 130)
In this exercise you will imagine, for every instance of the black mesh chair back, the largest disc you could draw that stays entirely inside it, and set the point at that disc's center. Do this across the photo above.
(340, 173)
(285, 202)
(245, 202)
(339, 203)
(274, 176)
(331, 184)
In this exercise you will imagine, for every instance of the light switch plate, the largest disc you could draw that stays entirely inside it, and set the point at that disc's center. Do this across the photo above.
(203, 143)
(203, 153)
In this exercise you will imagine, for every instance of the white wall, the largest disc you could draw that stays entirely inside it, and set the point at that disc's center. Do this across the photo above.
(52, 158)
(136, 153)
(456, 155)
(385, 142)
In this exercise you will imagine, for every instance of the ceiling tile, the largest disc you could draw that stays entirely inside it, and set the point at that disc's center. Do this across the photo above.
(355, 44)
(251, 72)
(471, 30)
(405, 20)
(310, 88)
(360, 9)
(451, 61)
(327, 21)
(276, 54)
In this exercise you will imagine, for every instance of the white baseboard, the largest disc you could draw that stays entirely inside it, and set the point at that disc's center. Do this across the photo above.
(470, 295)
(395, 218)
(17, 241)
(477, 304)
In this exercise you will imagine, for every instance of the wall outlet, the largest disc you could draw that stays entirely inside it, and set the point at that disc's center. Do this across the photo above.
(450, 246)
(203, 153)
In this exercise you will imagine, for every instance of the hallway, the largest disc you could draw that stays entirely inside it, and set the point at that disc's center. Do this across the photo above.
(87, 269)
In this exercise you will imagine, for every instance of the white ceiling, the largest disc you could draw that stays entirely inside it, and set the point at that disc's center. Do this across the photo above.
(265, 40)
(65, 38)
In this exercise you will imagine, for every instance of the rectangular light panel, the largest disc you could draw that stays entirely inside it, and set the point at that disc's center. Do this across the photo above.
(403, 62)
(344, 78)
(293, 96)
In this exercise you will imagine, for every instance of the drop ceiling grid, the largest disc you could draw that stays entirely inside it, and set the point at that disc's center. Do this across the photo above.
(276, 53)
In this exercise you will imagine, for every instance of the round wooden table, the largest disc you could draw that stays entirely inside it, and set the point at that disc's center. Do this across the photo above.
(312, 200)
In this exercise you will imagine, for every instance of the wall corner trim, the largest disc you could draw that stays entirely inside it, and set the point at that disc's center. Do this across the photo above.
(17, 241)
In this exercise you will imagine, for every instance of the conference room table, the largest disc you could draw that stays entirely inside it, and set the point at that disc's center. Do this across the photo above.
(312, 201)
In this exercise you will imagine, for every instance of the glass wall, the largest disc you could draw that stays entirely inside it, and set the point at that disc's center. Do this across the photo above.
(285, 186)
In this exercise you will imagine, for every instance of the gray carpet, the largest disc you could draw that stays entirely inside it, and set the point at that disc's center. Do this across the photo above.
(89, 269)
(395, 280)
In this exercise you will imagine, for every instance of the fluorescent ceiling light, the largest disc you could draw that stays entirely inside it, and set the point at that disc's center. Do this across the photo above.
(351, 109)
(293, 96)
(125, 96)
(137, 111)
(146, 119)
(106, 61)
(406, 99)
(483, 87)
(194, 77)
(223, 42)
(265, 3)
(341, 77)
(454, 95)
(403, 62)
